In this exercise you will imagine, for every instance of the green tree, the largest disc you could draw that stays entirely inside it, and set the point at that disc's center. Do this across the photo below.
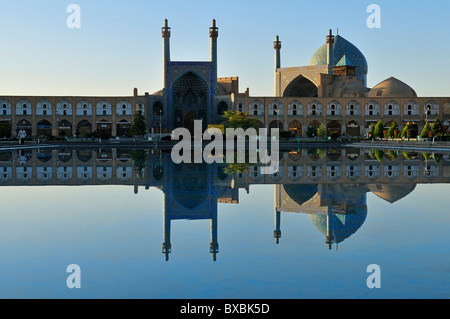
(239, 120)
(426, 131)
(393, 155)
(379, 128)
(392, 130)
(311, 131)
(379, 155)
(139, 158)
(406, 130)
(321, 131)
(371, 130)
(437, 128)
(139, 126)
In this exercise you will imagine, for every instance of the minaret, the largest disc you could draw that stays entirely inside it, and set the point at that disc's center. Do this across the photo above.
(214, 245)
(213, 34)
(329, 238)
(277, 47)
(166, 50)
(166, 246)
(330, 41)
(277, 231)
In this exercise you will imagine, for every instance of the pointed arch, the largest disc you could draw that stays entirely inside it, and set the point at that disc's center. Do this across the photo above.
(301, 87)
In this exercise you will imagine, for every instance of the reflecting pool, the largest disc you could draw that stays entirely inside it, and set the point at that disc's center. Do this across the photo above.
(140, 226)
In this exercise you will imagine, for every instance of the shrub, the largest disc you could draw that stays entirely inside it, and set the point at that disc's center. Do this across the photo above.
(321, 131)
(379, 130)
(437, 128)
(334, 135)
(426, 131)
(311, 131)
(392, 130)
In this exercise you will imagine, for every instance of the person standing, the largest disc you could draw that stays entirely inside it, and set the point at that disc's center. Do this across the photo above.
(22, 134)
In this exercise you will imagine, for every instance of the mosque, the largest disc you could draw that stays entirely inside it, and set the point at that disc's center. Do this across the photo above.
(330, 91)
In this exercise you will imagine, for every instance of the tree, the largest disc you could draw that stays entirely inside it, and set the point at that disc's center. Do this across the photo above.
(393, 155)
(139, 158)
(321, 131)
(239, 120)
(311, 131)
(371, 130)
(406, 132)
(437, 128)
(392, 130)
(139, 126)
(379, 155)
(379, 128)
(426, 131)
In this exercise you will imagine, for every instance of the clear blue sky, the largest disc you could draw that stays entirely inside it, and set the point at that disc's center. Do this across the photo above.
(118, 46)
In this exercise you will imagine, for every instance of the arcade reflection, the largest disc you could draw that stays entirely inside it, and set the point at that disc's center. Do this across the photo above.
(330, 186)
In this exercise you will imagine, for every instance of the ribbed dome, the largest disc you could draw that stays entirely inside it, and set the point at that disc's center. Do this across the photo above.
(392, 87)
(340, 226)
(341, 48)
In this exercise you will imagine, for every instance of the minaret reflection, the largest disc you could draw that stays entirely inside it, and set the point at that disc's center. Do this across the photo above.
(190, 193)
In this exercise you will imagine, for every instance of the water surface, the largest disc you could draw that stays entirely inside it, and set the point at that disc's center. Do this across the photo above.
(140, 226)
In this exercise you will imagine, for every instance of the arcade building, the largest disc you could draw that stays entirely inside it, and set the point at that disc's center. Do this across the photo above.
(330, 91)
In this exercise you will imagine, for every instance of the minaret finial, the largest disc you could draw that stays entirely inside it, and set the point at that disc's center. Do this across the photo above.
(165, 30)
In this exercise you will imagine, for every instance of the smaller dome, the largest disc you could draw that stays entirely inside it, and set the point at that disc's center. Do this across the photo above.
(300, 193)
(391, 192)
(392, 87)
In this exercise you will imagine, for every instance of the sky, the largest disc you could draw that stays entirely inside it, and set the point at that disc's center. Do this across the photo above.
(118, 46)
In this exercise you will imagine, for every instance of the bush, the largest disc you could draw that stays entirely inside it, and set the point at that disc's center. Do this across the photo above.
(437, 128)
(321, 131)
(334, 135)
(5, 131)
(311, 131)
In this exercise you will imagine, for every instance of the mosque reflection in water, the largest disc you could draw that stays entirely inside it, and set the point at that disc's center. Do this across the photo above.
(330, 186)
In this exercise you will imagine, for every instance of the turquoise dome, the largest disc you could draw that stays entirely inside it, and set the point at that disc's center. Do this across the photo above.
(341, 48)
(341, 226)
